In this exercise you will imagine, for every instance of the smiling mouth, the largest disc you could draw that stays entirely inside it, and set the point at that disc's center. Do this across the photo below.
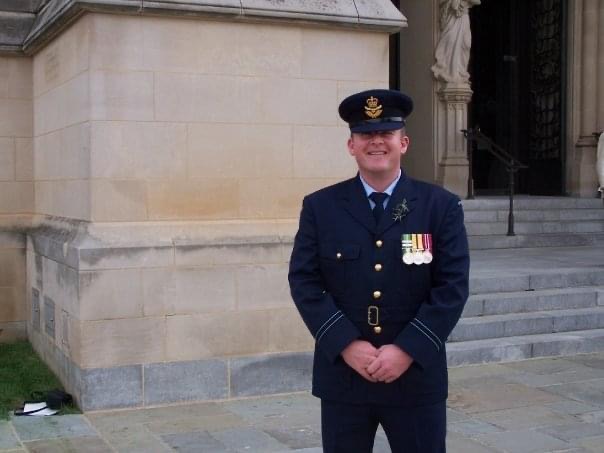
(377, 153)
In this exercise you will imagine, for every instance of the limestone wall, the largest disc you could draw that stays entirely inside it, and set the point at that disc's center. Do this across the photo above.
(177, 153)
(16, 188)
(62, 124)
(165, 119)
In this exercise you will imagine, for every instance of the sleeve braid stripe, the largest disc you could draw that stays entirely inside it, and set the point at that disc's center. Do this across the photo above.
(425, 334)
(329, 326)
(434, 336)
(326, 322)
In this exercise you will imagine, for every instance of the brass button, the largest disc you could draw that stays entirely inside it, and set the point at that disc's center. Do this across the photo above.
(378, 267)
(378, 243)
(377, 294)
(377, 329)
(338, 256)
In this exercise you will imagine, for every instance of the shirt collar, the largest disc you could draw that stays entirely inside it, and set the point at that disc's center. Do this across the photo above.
(369, 190)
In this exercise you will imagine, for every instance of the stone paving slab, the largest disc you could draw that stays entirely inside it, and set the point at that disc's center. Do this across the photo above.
(249, 439)
(526, 441)
(134, 439)
(458, 443)
(591, 444)
(572, 407)
(7, 437)
(527, 417)
(35, 428)
(537, 406)
(590, 392)
(487, 395)
(71, 444)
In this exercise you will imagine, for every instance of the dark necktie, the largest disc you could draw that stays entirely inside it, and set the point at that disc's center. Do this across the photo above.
(378, 198)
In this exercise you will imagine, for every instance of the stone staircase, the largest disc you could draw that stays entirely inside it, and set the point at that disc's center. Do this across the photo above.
(530, 301)
(539, 222)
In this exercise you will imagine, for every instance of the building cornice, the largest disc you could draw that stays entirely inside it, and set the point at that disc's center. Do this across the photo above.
(55, 15)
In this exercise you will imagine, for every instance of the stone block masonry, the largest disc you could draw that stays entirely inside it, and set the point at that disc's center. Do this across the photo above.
(211, 310)
(160, 151)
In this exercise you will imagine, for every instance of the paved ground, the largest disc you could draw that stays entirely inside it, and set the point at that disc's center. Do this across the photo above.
(534, 406)
(544, 405)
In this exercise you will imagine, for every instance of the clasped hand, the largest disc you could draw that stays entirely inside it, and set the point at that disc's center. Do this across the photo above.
(384, 364)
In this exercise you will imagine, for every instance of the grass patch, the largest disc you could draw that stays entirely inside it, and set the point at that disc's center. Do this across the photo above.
(21, 373)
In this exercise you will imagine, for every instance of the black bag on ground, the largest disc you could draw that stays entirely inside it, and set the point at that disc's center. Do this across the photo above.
(54, 399)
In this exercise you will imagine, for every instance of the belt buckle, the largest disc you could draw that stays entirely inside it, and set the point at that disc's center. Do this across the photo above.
(373, 315)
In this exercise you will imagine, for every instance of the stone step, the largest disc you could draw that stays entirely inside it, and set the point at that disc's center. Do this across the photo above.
(515, 324)
(509, 349)
(533, 215)
(523, 228)
(501, 241)
(536, 280)
(532, 301)
(539, 222)
(520, 203)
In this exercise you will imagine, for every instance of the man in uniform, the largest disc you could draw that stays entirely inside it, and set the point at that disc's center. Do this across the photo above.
(379, 273)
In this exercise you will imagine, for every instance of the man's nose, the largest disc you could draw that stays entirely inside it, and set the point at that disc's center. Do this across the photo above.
(376, 137)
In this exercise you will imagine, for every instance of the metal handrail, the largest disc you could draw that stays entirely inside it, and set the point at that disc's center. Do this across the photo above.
(512, 165)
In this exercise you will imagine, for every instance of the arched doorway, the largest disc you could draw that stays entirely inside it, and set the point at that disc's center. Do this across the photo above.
(517, 67)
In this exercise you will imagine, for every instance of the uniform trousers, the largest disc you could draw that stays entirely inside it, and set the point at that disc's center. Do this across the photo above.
(351, 428)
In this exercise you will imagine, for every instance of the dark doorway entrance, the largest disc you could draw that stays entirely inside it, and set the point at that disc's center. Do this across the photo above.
(517, 69)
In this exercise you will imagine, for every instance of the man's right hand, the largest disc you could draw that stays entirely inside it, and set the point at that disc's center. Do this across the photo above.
(359, 355)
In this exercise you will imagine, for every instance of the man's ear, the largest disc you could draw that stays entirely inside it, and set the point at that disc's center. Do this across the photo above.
(350, 144)
(404, 144)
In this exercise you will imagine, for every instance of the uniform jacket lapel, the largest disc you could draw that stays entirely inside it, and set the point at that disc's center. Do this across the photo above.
(355, 202)
(404, 193)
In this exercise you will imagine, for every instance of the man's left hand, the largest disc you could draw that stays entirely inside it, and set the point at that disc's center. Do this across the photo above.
(390, 364)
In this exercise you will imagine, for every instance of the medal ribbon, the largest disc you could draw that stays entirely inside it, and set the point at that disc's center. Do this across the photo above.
(428, 242)
(406, 243)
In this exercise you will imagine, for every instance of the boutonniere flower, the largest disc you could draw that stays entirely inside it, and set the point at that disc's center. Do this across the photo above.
(400, 211)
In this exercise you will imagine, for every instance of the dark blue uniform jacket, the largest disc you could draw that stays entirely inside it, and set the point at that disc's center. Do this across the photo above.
(333, 280)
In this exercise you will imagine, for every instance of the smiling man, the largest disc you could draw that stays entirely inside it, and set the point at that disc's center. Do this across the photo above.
(379, 274)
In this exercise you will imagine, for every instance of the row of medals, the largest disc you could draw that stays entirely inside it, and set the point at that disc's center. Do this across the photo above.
(417, 248)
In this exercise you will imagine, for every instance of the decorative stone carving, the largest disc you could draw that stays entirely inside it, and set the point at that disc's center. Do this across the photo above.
(453, 165)
(453, 48)
(451, 69)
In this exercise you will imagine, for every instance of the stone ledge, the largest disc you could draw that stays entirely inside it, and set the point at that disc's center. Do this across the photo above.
(379, 15)
(92, 246)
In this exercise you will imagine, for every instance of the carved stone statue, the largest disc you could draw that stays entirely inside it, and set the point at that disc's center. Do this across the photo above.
(453, 49)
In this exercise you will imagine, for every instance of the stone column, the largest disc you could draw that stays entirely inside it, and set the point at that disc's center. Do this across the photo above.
(589, 73)
(600, 70)
(453, 165)
(452, 55)
(591, 111)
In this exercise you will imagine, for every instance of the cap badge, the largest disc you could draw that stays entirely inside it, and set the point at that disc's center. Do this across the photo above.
(373, 109)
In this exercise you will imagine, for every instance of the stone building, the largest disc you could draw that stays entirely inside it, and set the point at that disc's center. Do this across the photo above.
(154, 154)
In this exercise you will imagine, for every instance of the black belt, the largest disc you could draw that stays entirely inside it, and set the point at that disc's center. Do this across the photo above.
(376, 314)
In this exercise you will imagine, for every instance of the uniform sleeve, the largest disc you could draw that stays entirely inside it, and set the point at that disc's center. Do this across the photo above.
(424, 337)
(328, 325)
